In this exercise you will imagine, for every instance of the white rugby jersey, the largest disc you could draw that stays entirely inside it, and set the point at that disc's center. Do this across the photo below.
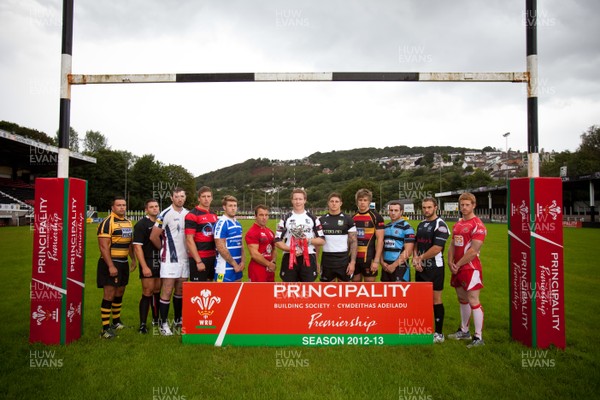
(173, 248)
(309, 224)
(336, 229)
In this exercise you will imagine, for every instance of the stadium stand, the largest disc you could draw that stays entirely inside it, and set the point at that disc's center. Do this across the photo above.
(21, 160)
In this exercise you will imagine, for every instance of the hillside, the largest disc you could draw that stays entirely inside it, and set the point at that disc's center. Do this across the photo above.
(389, 171)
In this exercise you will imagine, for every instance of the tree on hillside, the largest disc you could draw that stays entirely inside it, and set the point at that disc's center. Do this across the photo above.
(26, 132)
(552, 166)
(590, 140)
(146, 182)
(585, 160)
(588, 160)
(479, 178)
(94, 141)
(183, 178)
(106, 178)
(350, 190)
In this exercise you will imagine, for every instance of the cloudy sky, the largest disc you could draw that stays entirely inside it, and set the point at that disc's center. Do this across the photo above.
(207, 126)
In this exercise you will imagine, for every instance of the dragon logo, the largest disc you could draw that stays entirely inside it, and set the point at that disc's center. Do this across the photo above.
(523, 209)
(41, 315)
(553, 210)
(72, 311)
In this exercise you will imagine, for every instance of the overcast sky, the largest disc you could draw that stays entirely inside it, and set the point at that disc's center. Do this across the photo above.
(207, 126)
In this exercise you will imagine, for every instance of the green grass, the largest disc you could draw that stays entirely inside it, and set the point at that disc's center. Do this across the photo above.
(133, 366)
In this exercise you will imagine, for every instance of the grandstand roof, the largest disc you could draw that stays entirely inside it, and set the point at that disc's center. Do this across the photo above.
(23, 153)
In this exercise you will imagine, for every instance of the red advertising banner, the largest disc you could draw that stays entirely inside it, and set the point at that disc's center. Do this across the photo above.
(58, 260)
(549, 278)
(47, 290)
(536, 262)
(572, 224)
(520, 261)
(76, 205)
(307, 314)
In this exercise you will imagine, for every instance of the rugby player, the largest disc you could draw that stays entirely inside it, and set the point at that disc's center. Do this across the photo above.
(432, 234)
(369, 228)
(168, 235)
(399, 240)
(468, 235)
(297, 234)
(115, 235)
(228, 241)
(261, 246)
(149, 264)
(338, 258)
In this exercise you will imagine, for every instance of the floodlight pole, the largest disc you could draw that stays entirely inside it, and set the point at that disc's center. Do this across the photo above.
(533, 165)
(65, 90)
(506, 135)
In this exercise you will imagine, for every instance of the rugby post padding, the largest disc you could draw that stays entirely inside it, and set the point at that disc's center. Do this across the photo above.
(307, 314)
(536, 264)
(57, 277)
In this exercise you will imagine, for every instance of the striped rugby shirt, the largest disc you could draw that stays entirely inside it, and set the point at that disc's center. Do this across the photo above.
(366, 225)
(120, 233)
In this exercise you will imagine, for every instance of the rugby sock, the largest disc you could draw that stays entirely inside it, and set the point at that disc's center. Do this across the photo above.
(145, 302)
(116, 309)
(105, 314)
(438, 315)
(163, 309)
(465, 316)
(155, 303)
(478, 320)
(177, 305)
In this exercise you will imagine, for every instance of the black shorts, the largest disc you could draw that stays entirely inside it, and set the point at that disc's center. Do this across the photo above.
(364, 268)
(328, 274)
(208, 275)
(154, 266)
(400, 274)
(334, 265)
(432, 274)
(300, 272)
(335, 260)
(103, 277)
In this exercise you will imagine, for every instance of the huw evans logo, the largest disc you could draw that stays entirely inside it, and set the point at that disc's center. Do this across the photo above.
(290, 359)
(536, 359)
(44, 359)
(167, 393)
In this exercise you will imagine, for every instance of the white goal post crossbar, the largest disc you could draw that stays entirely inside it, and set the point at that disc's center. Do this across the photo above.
(515, 77)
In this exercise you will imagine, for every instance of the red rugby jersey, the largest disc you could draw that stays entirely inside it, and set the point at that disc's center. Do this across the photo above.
(200, 223)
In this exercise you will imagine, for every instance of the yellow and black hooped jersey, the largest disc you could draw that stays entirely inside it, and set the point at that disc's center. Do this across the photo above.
(120, 232)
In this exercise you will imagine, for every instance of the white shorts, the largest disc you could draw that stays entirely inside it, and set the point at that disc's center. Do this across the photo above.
(175, 270)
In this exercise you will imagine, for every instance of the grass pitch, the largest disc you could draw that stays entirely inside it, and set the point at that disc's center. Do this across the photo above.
(134, 366)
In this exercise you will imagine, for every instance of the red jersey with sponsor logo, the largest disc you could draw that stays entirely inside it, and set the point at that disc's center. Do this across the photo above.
(264, 238)
(200, 223)
(463, 234)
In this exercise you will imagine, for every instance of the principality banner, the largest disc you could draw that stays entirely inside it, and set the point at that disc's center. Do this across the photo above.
(536, 262)
(307, 314)
(58, 260)
(520, 261)
(47, 291)
(76, 205)
(547, 234)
